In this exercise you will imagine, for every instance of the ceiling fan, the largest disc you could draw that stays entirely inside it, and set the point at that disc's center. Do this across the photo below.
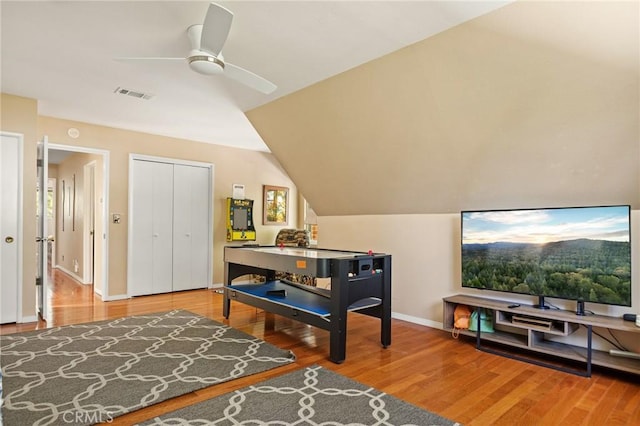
(205, 57)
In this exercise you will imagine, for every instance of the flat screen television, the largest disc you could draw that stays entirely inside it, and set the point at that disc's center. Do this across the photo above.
(574, 253)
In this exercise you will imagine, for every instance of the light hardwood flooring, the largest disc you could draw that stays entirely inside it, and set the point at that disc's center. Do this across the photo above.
(423, 366)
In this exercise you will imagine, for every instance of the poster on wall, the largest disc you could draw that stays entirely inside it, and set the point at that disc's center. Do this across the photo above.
(275, 205)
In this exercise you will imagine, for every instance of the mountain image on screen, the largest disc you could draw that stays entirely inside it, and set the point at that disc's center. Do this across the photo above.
(588, 269)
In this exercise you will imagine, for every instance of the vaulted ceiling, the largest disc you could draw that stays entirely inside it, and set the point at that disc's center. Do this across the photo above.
(536, 104)
(381, 108)
(62, 53)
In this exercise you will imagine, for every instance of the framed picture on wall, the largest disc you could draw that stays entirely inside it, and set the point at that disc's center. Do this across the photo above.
(275, 206)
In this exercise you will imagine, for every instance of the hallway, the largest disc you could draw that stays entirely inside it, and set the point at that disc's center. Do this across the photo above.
(69, 301)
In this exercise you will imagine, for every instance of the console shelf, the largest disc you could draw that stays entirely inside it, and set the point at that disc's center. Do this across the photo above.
(525, 327)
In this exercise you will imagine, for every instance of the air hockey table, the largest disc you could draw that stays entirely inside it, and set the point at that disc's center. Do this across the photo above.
(360, 282)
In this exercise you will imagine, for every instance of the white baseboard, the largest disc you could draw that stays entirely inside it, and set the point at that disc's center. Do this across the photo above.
(416, 320)
(115, 297)
(72, 275)
(30, 318)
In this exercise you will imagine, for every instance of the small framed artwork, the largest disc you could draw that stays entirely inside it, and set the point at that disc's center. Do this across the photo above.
(275, 205)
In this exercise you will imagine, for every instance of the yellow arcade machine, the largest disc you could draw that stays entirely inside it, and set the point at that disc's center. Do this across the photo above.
(240, 220)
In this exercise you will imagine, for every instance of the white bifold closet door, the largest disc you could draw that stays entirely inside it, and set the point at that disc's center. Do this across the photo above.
(169, 241)
(190, 227)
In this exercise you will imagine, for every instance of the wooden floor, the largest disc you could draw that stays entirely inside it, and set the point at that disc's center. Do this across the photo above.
(424, 366)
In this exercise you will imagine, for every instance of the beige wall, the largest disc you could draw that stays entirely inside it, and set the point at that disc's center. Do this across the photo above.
(526, 106)
(71, 210)
(253, 169)
(231, 166)
(536, 104)
(19, 115)
(426, 260)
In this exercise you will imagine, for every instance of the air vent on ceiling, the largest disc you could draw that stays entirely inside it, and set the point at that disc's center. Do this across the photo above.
(133, 93)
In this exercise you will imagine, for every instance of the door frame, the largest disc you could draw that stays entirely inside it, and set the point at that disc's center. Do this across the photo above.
(19, 225)
(135, 157)
(88, 239)
(104, 291)
(42, 237)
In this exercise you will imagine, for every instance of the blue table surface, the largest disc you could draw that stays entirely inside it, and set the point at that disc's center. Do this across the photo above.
(297, 298)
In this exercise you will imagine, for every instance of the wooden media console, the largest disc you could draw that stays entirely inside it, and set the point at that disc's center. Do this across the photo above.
(531, 329)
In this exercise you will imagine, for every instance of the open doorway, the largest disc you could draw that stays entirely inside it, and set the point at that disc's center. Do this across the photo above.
(79, 246)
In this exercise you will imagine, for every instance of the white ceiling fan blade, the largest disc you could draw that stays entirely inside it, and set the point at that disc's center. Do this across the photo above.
(248, 78)
(215, 29)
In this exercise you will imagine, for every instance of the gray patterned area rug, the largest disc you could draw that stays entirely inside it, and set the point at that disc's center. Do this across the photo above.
(312, 396)
(90, 373)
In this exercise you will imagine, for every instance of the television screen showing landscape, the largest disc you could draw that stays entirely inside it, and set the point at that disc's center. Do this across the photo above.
(581, 253)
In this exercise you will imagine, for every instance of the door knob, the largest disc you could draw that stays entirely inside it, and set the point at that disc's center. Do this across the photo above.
(8, 240)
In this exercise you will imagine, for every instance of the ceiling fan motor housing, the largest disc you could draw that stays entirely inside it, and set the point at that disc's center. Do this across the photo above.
(205, 64)
(206, 57)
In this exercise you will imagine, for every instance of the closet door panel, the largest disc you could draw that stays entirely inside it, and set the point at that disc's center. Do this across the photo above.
(192, 192)
(200, 246)
(162, 218)
(141, 257)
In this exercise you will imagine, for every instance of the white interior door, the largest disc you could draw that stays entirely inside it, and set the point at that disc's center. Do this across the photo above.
(162, 218)
(10, 227)
(170, 225)
(42, 239)
(191, 211)
(151, 229)
(140, 279)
